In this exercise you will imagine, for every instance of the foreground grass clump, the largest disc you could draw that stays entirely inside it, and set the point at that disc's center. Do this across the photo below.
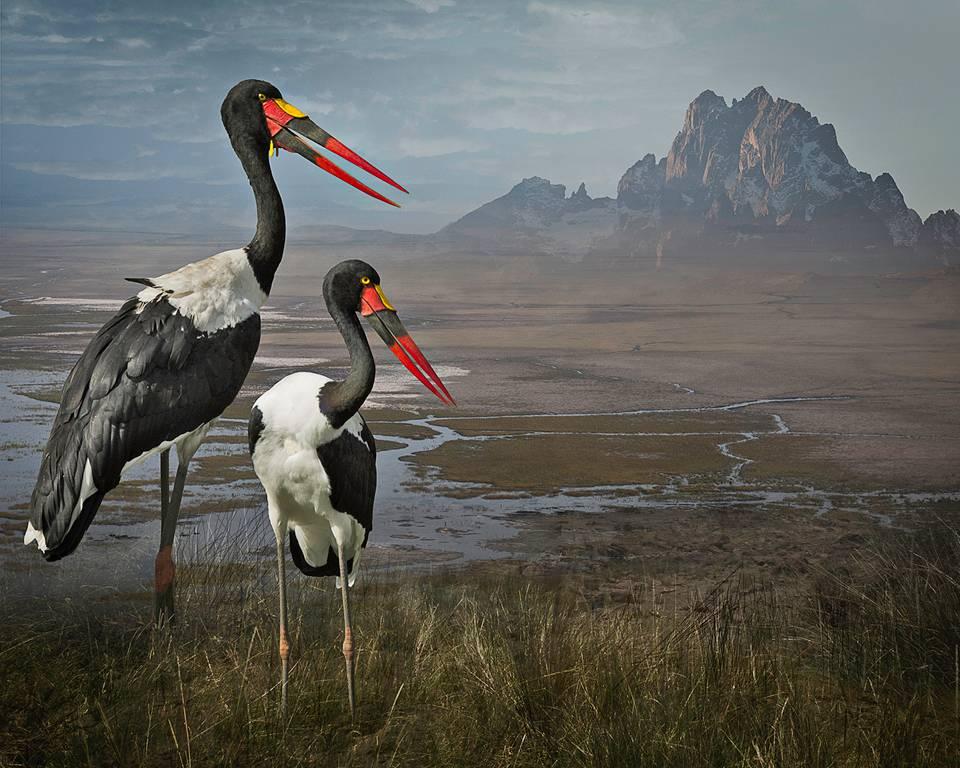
(461, 670)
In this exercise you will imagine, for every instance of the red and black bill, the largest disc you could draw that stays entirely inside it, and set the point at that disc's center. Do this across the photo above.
(285, 121)
(385, 321)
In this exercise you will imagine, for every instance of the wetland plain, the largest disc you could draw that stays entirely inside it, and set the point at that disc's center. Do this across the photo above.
(667, 423)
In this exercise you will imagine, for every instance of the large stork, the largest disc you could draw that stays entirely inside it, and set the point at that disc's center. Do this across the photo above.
(315, 455)
(174, 356)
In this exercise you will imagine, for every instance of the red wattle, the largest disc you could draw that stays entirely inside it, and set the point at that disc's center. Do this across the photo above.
(371, 302)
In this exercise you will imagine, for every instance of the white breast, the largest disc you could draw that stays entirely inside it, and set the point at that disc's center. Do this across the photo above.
(291, 408)
(285, 458)
(286, 461)
(215, 293)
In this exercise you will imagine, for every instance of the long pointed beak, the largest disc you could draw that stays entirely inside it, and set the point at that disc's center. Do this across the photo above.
(285, 121)
(384, 320)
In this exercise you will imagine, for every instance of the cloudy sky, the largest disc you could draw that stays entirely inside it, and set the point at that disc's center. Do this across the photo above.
(110, 109)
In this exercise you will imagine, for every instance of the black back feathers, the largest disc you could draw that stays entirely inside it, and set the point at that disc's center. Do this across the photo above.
(351, 465)
(147, 377)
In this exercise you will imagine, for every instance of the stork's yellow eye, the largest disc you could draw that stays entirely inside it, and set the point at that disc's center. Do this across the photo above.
(261, 97)
(365, 280)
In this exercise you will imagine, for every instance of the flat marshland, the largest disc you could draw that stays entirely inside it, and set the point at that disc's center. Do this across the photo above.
(682, 517)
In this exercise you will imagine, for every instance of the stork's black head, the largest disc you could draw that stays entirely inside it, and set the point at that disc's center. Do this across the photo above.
(354, 286)
(242, 112)
(257, 118)
(344, 283)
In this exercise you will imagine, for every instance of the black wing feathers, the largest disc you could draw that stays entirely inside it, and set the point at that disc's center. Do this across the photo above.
(147, 376)
(329, 568)
(351, 466)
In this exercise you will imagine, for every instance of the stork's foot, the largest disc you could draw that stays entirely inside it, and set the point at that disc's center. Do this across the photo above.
(164, 578)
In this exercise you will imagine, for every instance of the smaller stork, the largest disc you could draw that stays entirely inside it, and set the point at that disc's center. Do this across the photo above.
(315, 455)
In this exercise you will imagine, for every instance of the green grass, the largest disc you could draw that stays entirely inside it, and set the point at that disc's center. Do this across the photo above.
(858, 669)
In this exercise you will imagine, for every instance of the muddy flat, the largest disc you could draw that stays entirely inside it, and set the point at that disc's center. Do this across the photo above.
(670, 420)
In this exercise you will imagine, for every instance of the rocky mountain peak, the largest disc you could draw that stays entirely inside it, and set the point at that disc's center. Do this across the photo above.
(758, 95)
(767, 159)
(533, 205)
(706, 103)
(885, 181)
(640, 175)
(941, 230)
(641, 187)
(535, 186)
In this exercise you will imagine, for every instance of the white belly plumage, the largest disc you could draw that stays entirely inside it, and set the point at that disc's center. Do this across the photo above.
(297, 485)
(186, 445)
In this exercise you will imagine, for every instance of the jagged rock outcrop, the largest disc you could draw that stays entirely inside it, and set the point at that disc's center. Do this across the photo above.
(640, 191)
(941, 231)
(537, 215)
(886, 201)
(532, 204)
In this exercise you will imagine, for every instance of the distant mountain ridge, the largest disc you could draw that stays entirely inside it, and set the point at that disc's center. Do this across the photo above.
(537, 213)
(761, 173)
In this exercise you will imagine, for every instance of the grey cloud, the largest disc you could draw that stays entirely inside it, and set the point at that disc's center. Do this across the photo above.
(457, 100)
(88, 172)
(432, 6)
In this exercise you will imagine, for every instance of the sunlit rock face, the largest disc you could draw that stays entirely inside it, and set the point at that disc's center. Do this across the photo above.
(765, 163)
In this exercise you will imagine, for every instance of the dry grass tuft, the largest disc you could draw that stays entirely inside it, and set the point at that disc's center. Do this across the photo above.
(456, 670)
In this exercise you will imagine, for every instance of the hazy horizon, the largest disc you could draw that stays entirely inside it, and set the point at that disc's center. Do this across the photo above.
(110, 116)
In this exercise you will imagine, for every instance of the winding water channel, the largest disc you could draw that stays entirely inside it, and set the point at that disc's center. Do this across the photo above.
(458, 519)
(418, 510)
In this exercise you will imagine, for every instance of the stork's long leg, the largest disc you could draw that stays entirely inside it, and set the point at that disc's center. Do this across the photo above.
(165, 570)
(284, 641)
(163, 561)
(164, 481)
(347, 632)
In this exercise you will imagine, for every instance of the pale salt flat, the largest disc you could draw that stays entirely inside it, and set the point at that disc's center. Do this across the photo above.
(65, 301)
(276, 315)
(289, 362)
(394, 383)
